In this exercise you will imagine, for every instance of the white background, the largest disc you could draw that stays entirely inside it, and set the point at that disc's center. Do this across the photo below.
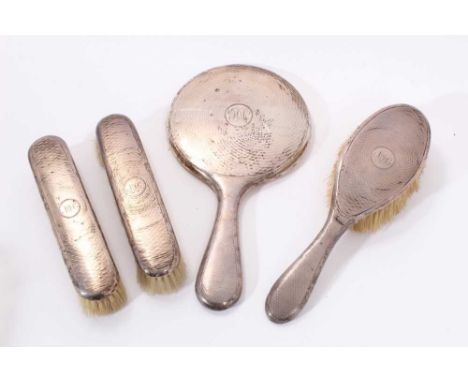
(404, 285)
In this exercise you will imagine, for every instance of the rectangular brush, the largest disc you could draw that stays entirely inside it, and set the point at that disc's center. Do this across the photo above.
(74, 223)
(141, 207)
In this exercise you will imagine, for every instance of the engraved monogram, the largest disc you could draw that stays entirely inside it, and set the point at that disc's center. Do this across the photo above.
(383, 157)
(134, 187)
(69, 208)
(238, 115)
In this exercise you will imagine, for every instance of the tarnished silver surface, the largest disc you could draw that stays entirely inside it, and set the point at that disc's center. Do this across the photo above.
(234, 126)
(381, 159)
(83, 246)
(137, 196)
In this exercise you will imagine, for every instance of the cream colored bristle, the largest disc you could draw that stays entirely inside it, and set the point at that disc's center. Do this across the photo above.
(375, 220)
(105, 305)
(163, 284)
(380, 217)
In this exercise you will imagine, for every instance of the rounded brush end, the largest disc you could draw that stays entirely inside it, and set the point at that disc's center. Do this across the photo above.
(106, 305)
(168, 283)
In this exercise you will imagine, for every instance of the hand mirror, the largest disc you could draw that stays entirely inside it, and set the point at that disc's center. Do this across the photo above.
(234, 126)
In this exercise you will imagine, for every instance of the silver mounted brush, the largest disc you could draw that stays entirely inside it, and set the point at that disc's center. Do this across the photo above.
(149, 231)
(377, 170)
(78, 233)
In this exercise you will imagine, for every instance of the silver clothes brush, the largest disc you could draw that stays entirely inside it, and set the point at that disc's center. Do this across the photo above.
(78, 233)
(149, 231)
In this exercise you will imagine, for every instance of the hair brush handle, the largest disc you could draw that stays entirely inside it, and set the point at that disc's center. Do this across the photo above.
(291, 291)
(219, 280)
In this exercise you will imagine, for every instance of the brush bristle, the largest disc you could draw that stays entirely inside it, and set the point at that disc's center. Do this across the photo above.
(375, 220)
(164, 284)
(105, 305)
(382, 216)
